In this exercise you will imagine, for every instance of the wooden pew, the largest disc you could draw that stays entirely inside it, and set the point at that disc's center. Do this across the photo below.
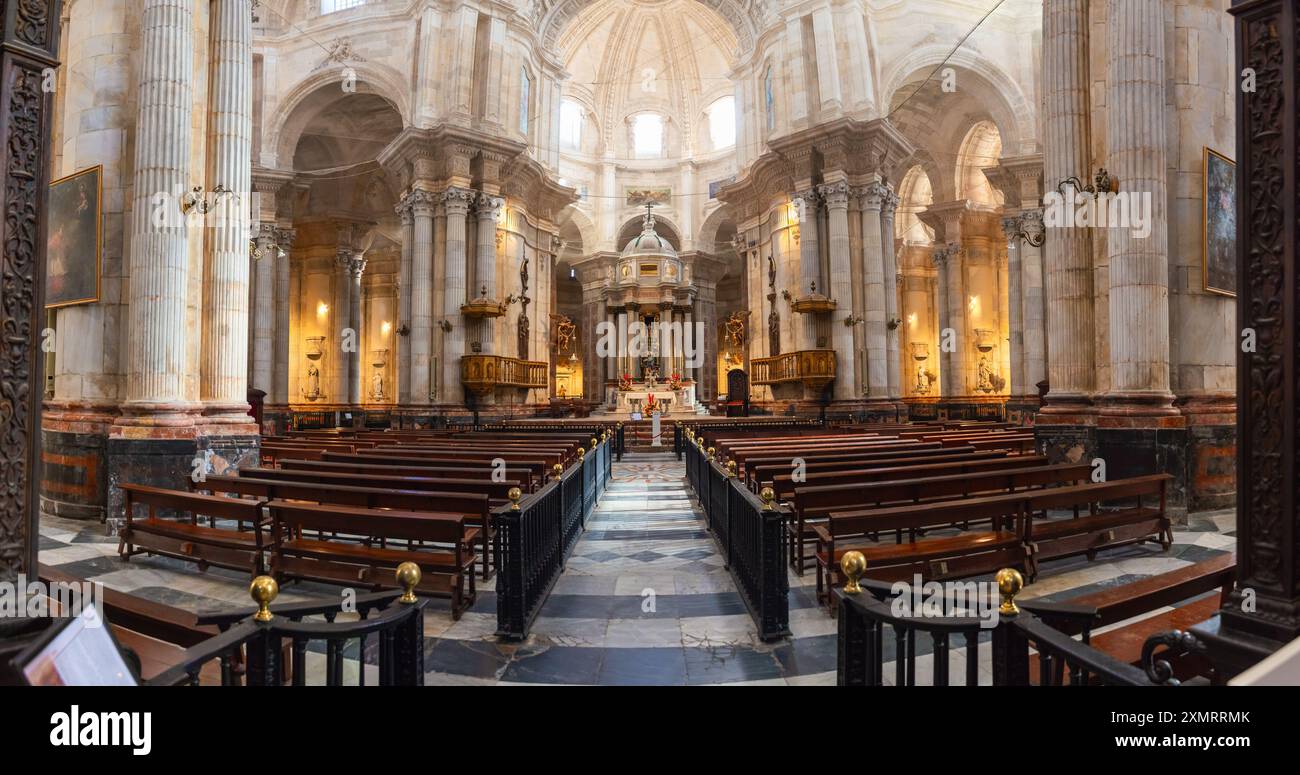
(765, 473)
(815, 504)
(394, 478)
(1101, 528)
(537, 467)
(447, 567)
(187, 539)
(475, 507)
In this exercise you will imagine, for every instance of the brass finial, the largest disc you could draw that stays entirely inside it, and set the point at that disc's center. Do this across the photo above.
(711, 450)
(854, 565)
(593, 442)
(1010, 582)
(514, 494)
(263, 590)
(408, 575)
(731, 469)
(557, 470)
(582, 452)
(767, 495)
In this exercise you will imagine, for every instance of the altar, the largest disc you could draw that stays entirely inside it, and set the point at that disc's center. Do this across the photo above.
(636, 398)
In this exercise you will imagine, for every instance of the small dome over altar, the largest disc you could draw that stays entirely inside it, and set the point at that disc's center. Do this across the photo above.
(649, 242)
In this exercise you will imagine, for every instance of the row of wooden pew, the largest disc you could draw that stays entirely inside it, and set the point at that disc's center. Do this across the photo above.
(315, 511)
(857, 489)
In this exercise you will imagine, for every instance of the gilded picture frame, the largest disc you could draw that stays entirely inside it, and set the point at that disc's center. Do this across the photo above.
(1218, 224)
(74, 244)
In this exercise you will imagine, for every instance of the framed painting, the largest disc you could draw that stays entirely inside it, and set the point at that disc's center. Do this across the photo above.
(640, 197)
(73, 239)
(1219, 238)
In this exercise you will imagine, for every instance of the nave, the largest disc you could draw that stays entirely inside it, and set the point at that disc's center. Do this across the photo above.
(598, 626)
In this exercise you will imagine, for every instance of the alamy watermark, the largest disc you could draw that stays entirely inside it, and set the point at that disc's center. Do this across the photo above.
(920, 599)
(1069, 208)
(36, 600)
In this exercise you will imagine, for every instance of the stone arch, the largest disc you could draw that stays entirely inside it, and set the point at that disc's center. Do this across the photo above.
(632, 227)
(707, 235)
(584, 226)
(302, 101)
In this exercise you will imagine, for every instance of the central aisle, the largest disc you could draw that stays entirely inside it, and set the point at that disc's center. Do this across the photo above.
(645, 600)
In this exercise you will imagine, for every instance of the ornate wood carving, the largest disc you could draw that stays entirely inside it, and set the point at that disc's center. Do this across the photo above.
(29, 42)
(1268, 379)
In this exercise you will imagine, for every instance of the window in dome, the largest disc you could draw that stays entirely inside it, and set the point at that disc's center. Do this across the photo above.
(330, 6)
(571, 124)
(648, 135)
(722, 123)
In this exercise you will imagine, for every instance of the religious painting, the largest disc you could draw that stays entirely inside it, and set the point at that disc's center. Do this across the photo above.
(716, 185)
(73, 239)
(654, 195)
(1219, 239)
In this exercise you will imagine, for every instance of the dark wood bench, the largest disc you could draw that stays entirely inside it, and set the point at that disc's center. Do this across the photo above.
(906, 467)
(445, 557)
(536, 467)
(476, 507)
(178, 531)
(400, 477)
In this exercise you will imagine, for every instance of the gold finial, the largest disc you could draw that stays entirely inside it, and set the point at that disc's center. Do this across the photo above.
(408, 575)
(557, 470)
(581, 453)
(711, 449)
(854, 565)
(1010, 582)
(768, 496)
(514, 494)
(731, 469)
(618, 425)
(593, 442)
(263, 590)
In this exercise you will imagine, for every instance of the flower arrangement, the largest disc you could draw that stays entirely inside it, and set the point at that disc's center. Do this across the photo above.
(625, 382)
(651, 406)
(675, 381)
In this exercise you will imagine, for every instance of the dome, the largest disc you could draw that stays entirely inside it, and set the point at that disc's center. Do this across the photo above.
(649, 242)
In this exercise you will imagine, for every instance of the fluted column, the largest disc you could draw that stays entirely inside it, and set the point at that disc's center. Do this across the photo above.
(264, 310)
(611, 356)
(456, 203)
(1015, 320)
(224, 366)
(841, 287)
(941, 258)
(356, 267)
(1033, 312)
(404, 279)
(1139, 262)
(1065, 154)
(488, 207)
(809, 265)
(870, 199)
(691, 354)
(888, 204)
(420, 204)
(159, 257)
(957, 319)
(344, 335)
(280, 377)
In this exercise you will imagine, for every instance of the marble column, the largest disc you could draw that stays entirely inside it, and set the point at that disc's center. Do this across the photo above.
(224, 366)
(404, 296)
(1015, 319)
(870, 199)
(485, 265)
(611, 355)
(344, 335)
(888, 204)
(841, 288)
(419, 204)
(280, 378)
(810, 263)
(1068, 271)
(1033, 313)
(264, 293)
(693, 345)
(708, 310)
(456, 202)
(356, 267)
(941, 258)
(620, 345)
(1139, 262)
(957, 306)
(159, 257)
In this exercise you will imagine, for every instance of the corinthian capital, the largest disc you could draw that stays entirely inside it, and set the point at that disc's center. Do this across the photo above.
(835, 194)
(872, 196)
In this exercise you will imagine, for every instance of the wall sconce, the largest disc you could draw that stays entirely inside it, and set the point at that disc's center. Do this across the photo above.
(1102, 183)
(853, 320)
(404, 330)
(443, 324)
(785, 294)
(911, 320)
(194, 199)
(322, 309)
(257, 252)
(385, 327)
(893, 323)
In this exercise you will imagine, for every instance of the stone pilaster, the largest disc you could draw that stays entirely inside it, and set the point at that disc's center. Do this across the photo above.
(224, 367)
(420, 205)
(1068, 253)
(809, 265)
(836, 196)
(487, 208)
(870, 199)
(956, 285)
(456, 203)
(404, 279)
(1033, 313)
(356, 267)
(264, 292)
(888, 204)
(1015, 312)
(340, 315)
(283, 267)
(941, 258)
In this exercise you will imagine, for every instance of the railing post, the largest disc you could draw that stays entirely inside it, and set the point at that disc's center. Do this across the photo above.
(1010, 646)
(510, 572)
(263, 650)
(851, 665)
(408, 638)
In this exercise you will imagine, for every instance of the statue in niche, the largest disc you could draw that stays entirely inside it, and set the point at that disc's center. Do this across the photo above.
(377, 385)
(922, 381)
(312, 389)
(523, 335)
(984, 377)
(774, 333)
(734, 328)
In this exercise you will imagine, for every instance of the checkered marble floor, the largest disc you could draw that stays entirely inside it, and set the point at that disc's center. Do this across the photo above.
(644, 598)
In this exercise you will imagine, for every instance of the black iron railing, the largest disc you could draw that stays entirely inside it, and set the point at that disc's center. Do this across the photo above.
(869, 624)
(749, 534)
(251, 646)
(535, 536)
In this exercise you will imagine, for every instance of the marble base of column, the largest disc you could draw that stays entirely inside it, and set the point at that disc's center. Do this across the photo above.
(74, 447)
